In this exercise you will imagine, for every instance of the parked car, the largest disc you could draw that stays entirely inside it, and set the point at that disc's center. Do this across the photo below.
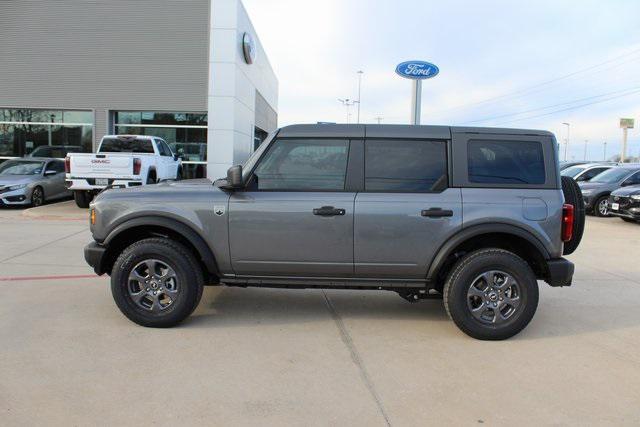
(625, 203)
(354, 207)
(31, 181)
(596, 191)
(121, 161)
(564, 164)
(586, 171)
(55, 151)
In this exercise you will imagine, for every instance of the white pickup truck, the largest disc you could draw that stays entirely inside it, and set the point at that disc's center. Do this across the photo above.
(121, 161)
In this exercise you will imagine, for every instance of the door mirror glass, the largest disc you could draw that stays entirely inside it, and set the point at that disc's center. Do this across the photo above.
(234, 177)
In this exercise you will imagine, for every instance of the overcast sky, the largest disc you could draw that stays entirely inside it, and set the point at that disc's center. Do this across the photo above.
(484, 49)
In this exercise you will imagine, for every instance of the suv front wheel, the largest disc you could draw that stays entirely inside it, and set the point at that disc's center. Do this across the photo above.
(156, 282)
(491, 294)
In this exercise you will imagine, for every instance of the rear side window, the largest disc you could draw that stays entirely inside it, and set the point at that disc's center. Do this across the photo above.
(405, 166)
(304, 165)
(126, 145)
(506, 162)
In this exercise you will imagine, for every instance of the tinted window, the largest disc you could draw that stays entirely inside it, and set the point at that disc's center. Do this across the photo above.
(506, 162)
(299, 164)
(405, 166)
(126, 145)
(163, 148)
(592, 172)
(56, 166)
(633, 179)
(572, 171)
(612, 175)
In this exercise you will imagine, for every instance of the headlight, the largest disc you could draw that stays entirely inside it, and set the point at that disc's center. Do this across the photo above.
(16, 187)
(586, 192)
(636, 197)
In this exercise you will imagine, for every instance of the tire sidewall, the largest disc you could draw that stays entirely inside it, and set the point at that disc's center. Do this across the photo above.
(596, 206)
(188, 292)
(457, 295)
(37, 189)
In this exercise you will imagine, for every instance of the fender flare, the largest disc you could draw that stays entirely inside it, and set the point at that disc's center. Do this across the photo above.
(467, 233)
(203, 249)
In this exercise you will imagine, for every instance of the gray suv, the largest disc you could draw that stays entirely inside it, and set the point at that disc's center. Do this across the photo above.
(471, 215)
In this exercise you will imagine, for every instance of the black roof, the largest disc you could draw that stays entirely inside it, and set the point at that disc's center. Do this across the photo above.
(328, 130)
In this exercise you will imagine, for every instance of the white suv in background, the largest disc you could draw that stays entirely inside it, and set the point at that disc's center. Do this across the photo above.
(121, 161)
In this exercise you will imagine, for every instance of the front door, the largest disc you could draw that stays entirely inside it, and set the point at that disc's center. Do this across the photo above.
(406, 211)
(295, 217)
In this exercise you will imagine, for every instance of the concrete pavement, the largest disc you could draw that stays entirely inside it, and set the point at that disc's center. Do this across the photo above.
(307, 357)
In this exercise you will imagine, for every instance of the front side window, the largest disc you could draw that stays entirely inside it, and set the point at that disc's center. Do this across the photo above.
(56, 166)
(303, 165)
(405, 166)
(506, 162)
(633, 179)
(591, 173)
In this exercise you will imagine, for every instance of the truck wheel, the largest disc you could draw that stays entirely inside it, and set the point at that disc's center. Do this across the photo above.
(573, 196)
(82, 198)
(157, 282)
(491, 294)
(151, 178)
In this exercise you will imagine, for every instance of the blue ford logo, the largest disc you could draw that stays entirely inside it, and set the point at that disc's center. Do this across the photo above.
(417, 70)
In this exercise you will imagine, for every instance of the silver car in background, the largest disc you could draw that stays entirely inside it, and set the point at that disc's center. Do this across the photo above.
(32, 181)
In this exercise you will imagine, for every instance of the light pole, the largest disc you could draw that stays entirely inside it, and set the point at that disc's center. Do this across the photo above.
(566, 144)
(348, 103)
(605, 151)
(585, 149)
(378, 119)
(360, 73)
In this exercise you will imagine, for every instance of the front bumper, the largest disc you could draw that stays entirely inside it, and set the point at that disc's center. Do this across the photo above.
(560, 272)
(19, 197)
(627, 207)
(94, 255)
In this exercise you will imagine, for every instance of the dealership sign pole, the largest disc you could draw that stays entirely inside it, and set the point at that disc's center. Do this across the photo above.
(416, 71)
(625, 124)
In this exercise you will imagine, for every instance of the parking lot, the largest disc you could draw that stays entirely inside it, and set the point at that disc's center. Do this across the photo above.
(300, 357)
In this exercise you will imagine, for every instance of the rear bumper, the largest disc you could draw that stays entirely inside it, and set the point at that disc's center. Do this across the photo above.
(560, 272)
(94, 255)
(88, 184)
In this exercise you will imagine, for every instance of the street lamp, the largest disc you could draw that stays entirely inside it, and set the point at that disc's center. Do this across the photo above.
(566, 145)
(348, 103)
(605, 151)
(360, 73)
(585, 149)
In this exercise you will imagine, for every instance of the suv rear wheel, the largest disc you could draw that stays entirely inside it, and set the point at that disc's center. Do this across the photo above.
(491, 294)
(156, 282)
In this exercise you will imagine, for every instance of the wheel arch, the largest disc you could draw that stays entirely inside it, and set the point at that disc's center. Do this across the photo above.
(135, 229)
(504, 236)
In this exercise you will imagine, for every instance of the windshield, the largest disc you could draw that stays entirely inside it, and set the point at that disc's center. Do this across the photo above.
(19, 167)
(572, 171)
(126, 145)
(251, 161)
(612, 175)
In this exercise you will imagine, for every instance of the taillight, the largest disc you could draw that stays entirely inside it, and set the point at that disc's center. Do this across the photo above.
(137, 165)
(567, 222)
(67, 164)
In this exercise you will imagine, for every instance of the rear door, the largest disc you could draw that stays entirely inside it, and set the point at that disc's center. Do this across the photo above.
(296, 216)
(407, 209)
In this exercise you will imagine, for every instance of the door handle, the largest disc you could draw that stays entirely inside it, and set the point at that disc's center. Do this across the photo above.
(436, 212)
(328, 211)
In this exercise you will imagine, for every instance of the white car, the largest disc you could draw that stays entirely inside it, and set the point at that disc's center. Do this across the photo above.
(586, 171)
(121, 161)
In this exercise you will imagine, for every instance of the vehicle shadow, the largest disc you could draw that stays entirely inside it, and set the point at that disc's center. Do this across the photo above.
(230, 307)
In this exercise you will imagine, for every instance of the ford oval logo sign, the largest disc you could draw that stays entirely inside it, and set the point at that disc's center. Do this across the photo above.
(417, 70)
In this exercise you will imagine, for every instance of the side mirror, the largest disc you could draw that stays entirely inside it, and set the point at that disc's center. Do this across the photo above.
(176, 157)
(49, 173)
(234, 177)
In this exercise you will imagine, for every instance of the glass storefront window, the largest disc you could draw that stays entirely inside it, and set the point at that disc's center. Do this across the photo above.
(186, 134)
(29, 131)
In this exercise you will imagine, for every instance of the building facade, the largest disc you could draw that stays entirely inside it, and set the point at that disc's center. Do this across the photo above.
(190, 71)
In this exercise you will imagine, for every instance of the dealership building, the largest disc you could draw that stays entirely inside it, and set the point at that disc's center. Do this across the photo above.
(190, 71)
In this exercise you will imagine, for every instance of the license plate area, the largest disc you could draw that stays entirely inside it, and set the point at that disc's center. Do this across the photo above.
(102, 181)
(615, 206)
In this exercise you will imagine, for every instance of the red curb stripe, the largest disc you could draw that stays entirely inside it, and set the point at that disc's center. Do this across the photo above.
(23, 278)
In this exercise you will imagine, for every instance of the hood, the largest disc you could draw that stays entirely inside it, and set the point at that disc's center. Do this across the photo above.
(591, 185)
(9, 180)
(168, 191)
(627, 191)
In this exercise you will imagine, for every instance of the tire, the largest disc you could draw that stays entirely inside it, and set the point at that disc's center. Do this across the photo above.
(82, 198)
(573, 196)
(628, 220)
(151, 178)
(601, 207)
(147, 308)
(37, 197)
(460, 298)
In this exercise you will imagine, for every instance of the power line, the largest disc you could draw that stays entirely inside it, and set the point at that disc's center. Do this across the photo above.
(550, 106)
(570, 108)
(535, 86)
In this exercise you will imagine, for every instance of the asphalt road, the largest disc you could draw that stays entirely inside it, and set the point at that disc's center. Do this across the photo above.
(307, 357)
